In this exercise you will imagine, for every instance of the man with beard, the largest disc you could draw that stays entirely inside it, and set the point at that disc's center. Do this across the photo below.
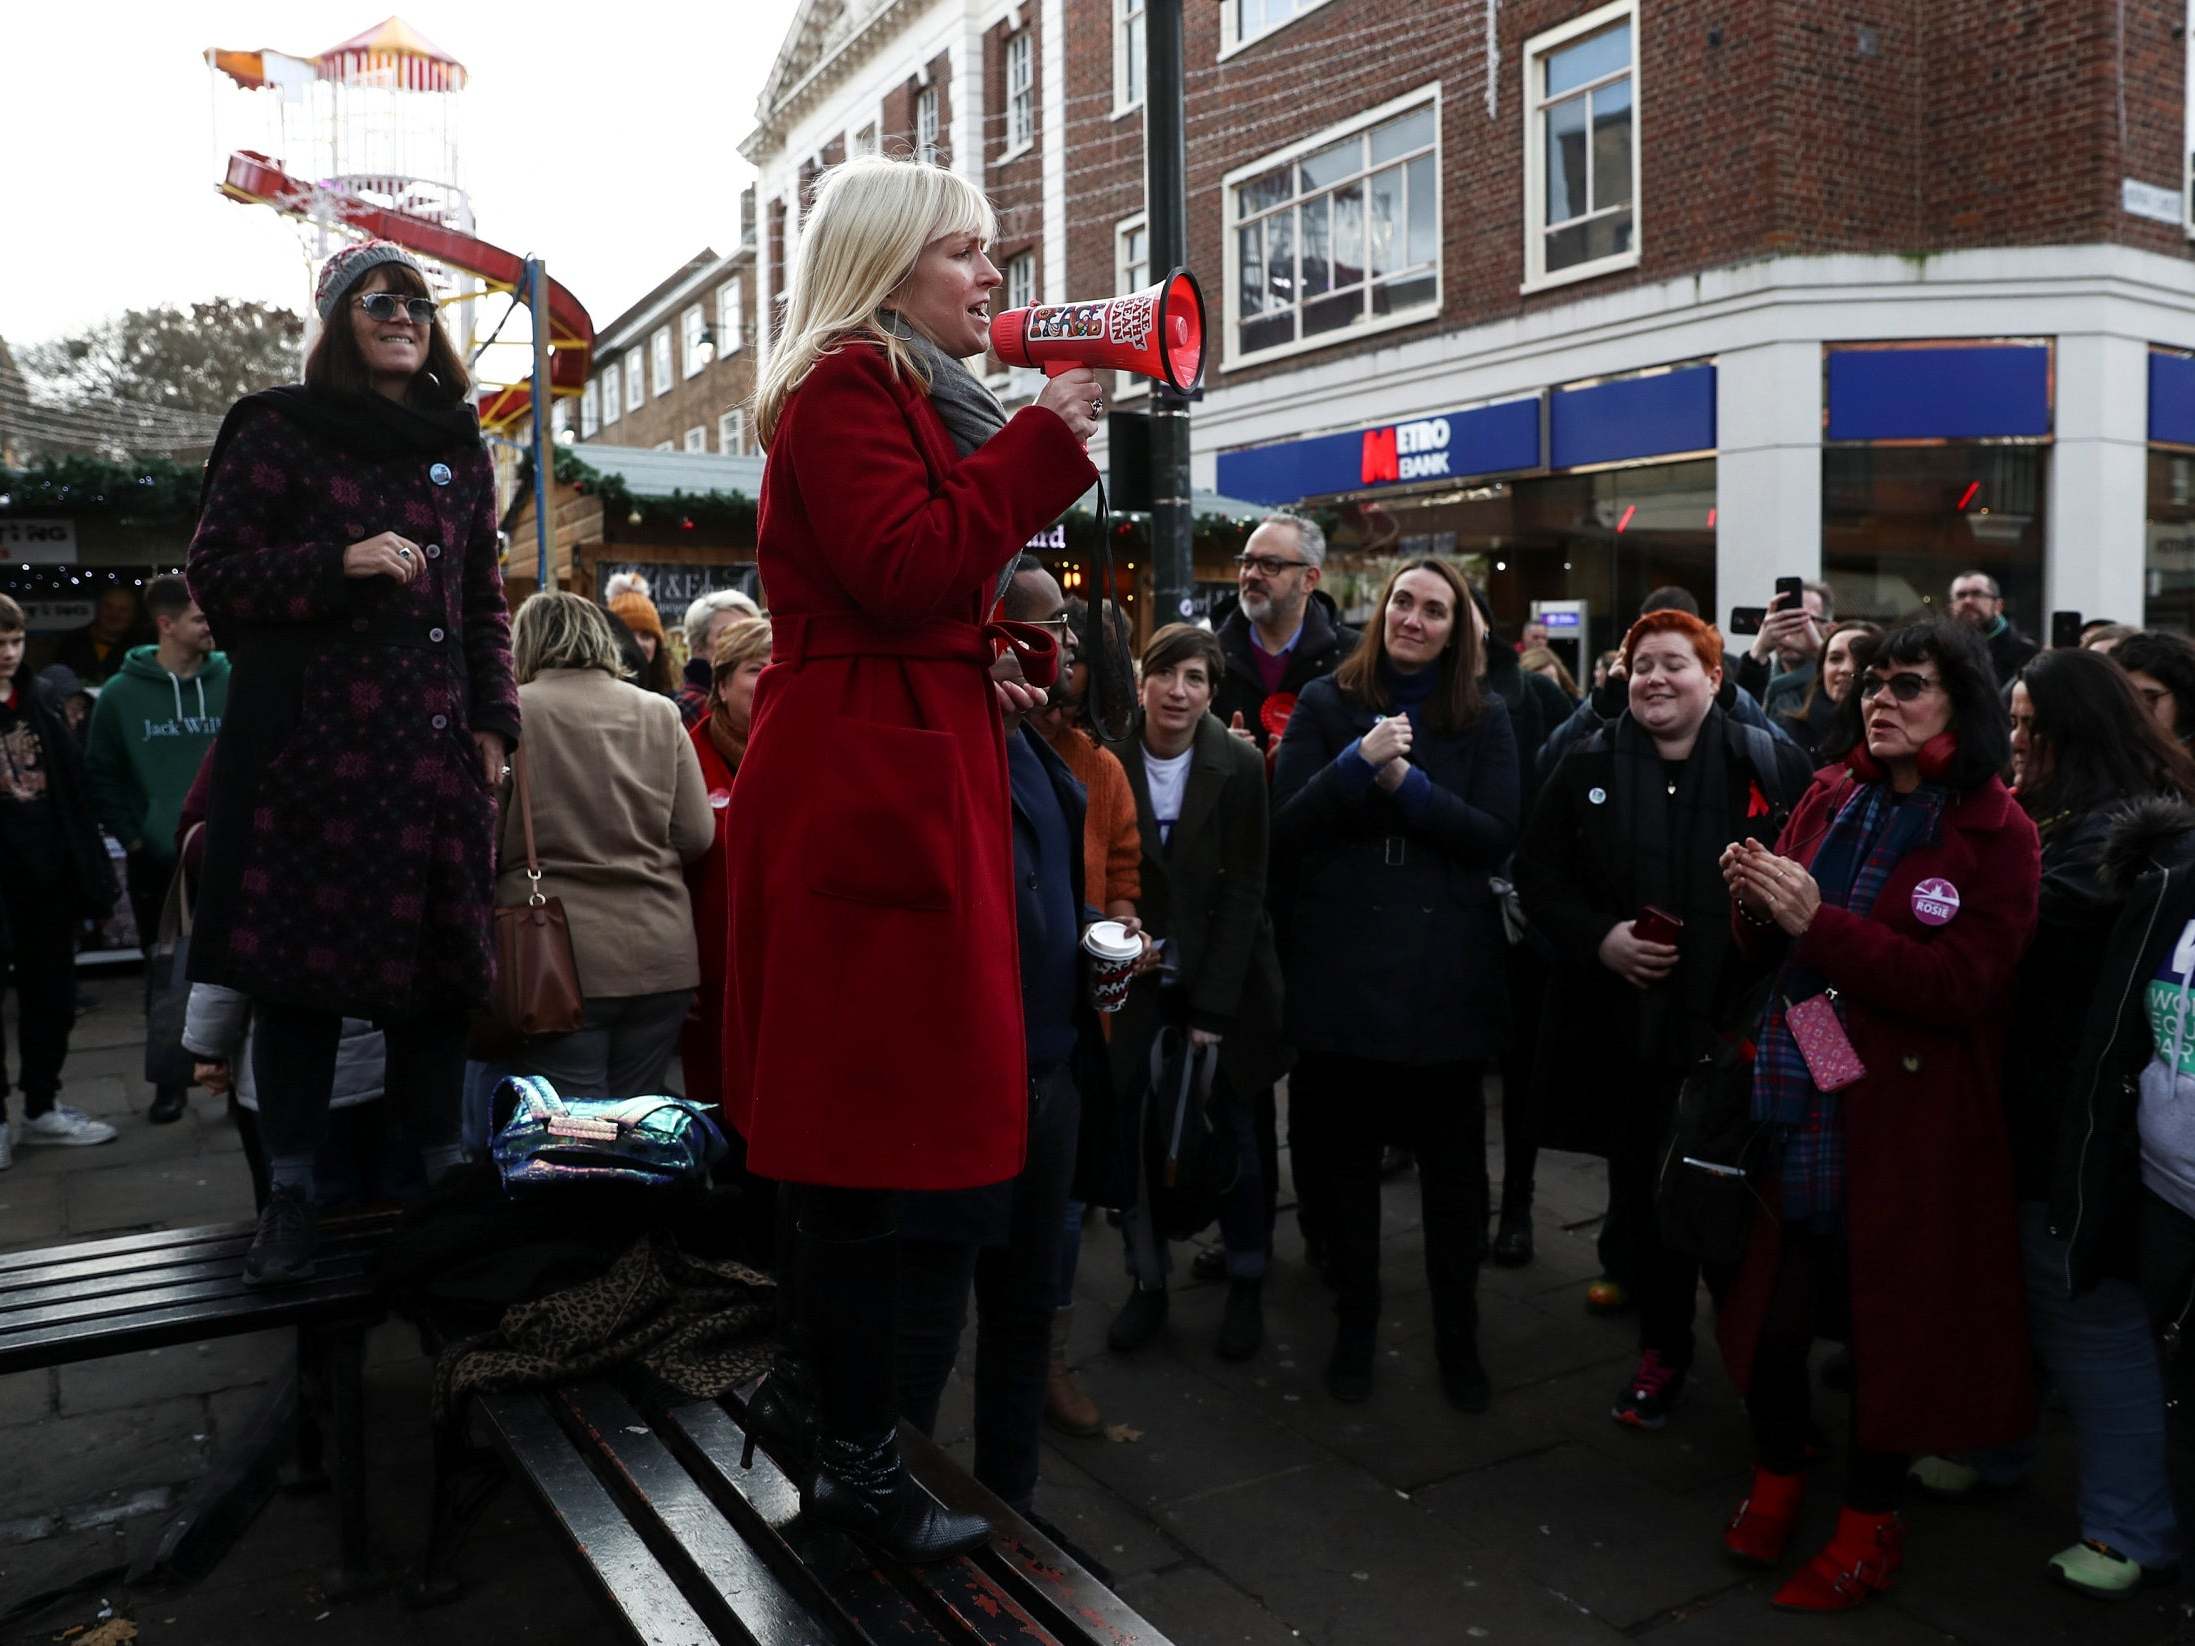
(1282, 633)
(1977, 602)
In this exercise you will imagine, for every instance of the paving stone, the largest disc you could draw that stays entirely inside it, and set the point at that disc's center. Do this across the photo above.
(1099, 1521)
(1194, 1435)
(184, 1369)
(49, 1563)
(1743, 1617)
(103, 1456)
(559, 1607)
(112, 1097)
(1195, 1606)
(25, 1397)
(30, 1207)
(137, 1144)
(176, 1197)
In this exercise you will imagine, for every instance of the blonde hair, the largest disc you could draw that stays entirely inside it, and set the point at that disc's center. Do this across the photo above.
(554, 630)
(871, 219)
(743, 640)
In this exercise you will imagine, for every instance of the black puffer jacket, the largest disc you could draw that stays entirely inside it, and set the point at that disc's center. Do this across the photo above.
(1536, 707)
(1326, 641)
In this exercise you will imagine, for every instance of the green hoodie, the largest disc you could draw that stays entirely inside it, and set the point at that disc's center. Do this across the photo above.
(149, 732)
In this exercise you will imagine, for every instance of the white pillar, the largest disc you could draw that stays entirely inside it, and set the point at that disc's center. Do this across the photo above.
(1052, 38)
(2099, 478)
(1768, 470)
(967, 129)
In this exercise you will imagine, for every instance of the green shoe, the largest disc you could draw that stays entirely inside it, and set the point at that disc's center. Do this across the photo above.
(1944, 1477)
(2098, 1570)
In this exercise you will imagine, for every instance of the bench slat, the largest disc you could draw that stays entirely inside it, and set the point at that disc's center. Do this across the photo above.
(223, 1291)
(65, 1342)
(215, 1254)
(162, 1240)
(631, 1577)
(154, 1286)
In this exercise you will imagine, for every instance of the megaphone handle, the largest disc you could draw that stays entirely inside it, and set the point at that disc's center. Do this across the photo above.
(1059, 368)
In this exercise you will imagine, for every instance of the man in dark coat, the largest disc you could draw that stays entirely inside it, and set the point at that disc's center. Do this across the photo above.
(1003, 1241)
(1281, 633)
(1977, 602)
(96, 650)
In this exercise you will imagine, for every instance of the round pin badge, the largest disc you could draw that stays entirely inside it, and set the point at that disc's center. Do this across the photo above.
(439, 474)
(1935, 902)
(1599, 797)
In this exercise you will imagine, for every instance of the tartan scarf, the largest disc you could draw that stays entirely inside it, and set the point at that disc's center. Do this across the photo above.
(1872, 831)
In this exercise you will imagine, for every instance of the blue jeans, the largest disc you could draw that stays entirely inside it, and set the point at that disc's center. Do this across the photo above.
(2102, 1355)
(1070, 1250)
(1242, 1221)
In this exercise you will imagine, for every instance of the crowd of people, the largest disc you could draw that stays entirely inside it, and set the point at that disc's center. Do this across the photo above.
(1919, 893)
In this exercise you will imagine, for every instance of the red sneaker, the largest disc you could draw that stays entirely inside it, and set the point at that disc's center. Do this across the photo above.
(1861, 1561)
(1759, 1531)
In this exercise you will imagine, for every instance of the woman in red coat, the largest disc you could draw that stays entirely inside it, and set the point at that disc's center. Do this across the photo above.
(1901, 894)
(872, 1026)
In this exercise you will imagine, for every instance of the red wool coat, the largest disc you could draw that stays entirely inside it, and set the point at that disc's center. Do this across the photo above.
(700, 1046)
(1939, 1335)
(872, 1024)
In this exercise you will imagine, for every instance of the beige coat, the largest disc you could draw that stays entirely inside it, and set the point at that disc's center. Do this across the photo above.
(619, 808)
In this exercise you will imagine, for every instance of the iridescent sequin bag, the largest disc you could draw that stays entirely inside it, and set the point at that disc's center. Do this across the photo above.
(542, 1140)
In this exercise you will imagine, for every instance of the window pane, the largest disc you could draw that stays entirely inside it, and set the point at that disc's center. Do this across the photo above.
(1318, 245)
(1333, 163)
(1384, 225)
(1262, 193)
(1399, 136)
(1280, 259)
(1250, 255)
(1132, 80)
(1333, 313)
(1588, 59)
(1397, 295)
(1349, 235)
(1424, 231)
(1588, 242)
(1566, 197)
(1268, 333)
(1612, 145)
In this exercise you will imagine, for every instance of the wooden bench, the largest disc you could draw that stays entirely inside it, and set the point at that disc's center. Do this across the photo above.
(688, 1549)
(62, 1304)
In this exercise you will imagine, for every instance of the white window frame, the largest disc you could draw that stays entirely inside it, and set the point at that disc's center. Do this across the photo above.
(693, 324)
(1127, 384)
(1536, 275)
(665, 446)
(1129, 61)
(590, 409)
(1231, 37)
(731, 330)
(926, 123)
(1019, 59)
(731, 433)
(1021, 279)
(1231, 354)
(612, 400)
(697, 438)
(2187, 128)
(659, 348)
(636, 378)
(863, 141)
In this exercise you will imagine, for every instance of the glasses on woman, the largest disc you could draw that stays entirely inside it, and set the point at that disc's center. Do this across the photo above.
(1271, 565)
(386, 305)
(1905, 685)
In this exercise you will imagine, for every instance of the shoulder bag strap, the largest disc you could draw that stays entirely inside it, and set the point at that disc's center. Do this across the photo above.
(526, 817)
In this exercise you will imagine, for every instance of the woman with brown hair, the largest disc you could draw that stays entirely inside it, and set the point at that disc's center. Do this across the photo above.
(1394, 800)
(346, 554)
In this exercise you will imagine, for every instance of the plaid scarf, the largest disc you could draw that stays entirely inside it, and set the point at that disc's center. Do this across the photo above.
(1872, 831)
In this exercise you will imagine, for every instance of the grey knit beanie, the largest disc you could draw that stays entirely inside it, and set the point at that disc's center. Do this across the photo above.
(348, 266)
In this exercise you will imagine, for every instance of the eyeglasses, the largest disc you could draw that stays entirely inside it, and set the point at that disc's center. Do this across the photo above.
(1905, 686)
(1061, 628)
(1270, 564)
(386, 305)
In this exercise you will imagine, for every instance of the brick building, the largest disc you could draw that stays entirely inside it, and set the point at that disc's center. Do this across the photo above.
(1598, 296)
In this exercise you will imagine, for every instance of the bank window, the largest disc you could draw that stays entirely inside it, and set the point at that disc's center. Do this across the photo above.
(590, 410)
(1131, 272)
(1246, 21)
(730, 330)
(731, 433)
(1021, 280)
(694, 327)
(659, 351)
(1342, 235)
(636, 380)
(697, 439)
(1128, 55)
(611, 401)
(1021, 119)
(926, 123)
(1581, 148)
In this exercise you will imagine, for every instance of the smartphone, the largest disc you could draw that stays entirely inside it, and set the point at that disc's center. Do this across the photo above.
(2065, 631)
(1747, 619)
(1652, 925)
(1790, 594)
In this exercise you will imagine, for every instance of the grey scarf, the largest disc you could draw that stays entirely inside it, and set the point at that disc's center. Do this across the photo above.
(970, 412)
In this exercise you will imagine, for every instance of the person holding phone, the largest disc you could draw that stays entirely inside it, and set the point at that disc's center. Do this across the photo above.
(1781, 665)
(1618, 870)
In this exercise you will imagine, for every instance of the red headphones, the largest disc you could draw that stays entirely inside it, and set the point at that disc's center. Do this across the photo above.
(1934, 760)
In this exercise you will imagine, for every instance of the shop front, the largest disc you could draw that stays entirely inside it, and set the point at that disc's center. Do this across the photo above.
(2168, 558)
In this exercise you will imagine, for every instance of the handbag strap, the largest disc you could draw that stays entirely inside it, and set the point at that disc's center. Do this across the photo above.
(526, 817)
(179, 889)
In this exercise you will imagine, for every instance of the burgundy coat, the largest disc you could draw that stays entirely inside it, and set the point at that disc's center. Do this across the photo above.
(872, 1025)
(351, 837)
(1939, 1335)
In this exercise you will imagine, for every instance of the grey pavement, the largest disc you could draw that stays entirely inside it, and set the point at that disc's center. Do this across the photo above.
(1230, 1503)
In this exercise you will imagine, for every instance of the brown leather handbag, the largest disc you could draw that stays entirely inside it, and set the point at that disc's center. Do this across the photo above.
(536, 976)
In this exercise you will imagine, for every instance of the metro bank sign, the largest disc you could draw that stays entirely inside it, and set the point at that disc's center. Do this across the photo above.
(1497, 439)
(1406, 451)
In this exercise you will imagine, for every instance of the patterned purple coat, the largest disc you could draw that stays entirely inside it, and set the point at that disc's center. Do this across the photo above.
(350, 862)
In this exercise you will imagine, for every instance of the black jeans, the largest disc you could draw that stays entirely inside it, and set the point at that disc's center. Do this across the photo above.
(2168, 1291)
(1016, 1288)
(1528, 977)
(42, 967)
(1664, 1283)
(1812, 1298)
(1344, 1110)
(146, 875)
(293, 1065)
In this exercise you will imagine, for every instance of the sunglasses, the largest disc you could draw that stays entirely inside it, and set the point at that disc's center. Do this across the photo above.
(1904, 686)
(386, 305)
(1270, 564)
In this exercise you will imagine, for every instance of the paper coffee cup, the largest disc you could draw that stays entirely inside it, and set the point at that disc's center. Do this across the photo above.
(1113, 955)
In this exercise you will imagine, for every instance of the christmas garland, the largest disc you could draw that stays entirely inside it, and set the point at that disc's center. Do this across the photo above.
(148, 490)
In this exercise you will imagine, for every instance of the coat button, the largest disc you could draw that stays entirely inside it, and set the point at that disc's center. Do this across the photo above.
(441, 722)
(1912, 1063)
(434, 551)
(439, 474)
(435, 635)
(1032, 882)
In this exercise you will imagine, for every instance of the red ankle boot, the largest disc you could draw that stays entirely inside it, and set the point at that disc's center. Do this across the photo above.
(1860, 1561)
(1762, 1526)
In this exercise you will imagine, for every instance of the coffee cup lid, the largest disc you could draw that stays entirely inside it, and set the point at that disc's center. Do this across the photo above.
(1110, 939)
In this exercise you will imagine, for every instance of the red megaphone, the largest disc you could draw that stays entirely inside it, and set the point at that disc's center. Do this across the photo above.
(1156, 333)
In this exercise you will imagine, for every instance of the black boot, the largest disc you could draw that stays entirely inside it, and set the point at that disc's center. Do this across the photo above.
(1242, 1327)
(1463, 1378)
(1513, 1241)
(1139, 1320)
(849, 1309)
(282, 1251)
(1349, 1367)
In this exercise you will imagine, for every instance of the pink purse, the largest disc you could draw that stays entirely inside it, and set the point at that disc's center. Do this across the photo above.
(1820, 1037)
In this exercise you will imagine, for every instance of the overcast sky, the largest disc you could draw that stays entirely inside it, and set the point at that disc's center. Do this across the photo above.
(601, 136)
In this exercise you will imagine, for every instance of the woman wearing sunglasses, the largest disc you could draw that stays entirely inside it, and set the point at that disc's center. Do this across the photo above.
(346, 555)
(1894, 908)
